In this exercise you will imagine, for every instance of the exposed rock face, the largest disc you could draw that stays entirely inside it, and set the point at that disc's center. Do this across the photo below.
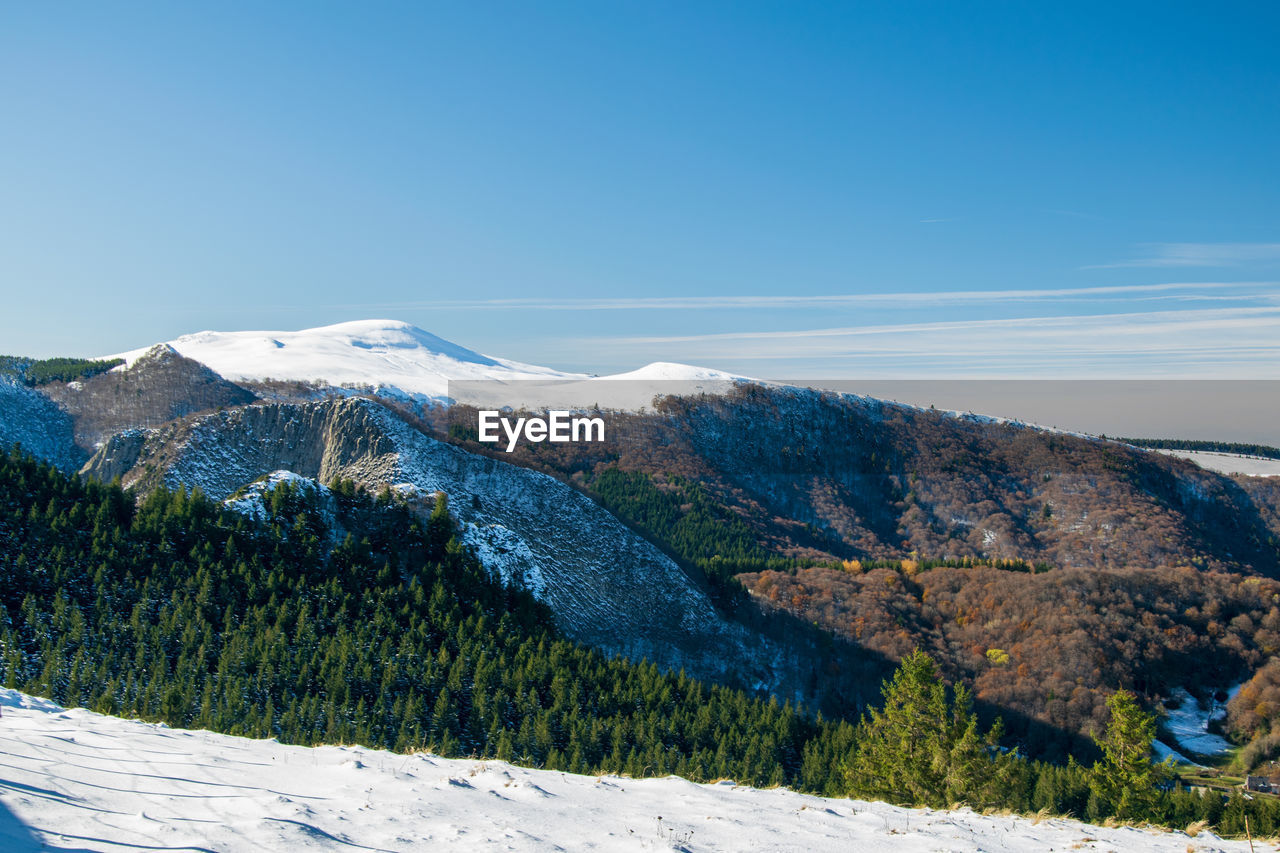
(222, 451)
(607, 586)
(157, 388)
(29, 419)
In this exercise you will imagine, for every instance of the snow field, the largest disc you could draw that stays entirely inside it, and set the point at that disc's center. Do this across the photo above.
(1230, 463)
(76, 780)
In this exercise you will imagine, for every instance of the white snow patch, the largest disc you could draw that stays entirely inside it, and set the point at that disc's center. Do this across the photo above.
(1189, 723)
(251, 502)
(1229, 463)
(80, 780)
(503, 550)
(1163, 751)
(671, 371)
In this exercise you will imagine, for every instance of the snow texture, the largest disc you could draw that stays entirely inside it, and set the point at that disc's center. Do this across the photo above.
(1230, 463)
(1189, 723)
(1161, 752)
(30, 419)
(76, 780)
(501, 550)
(384, 354)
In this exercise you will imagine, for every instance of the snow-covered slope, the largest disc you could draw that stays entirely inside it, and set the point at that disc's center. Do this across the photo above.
(381, 353)
(1189, 723)
(75, 780)
(29, 418)
(1229, 463)
(670, 371)
(401, 360)
(250, 501)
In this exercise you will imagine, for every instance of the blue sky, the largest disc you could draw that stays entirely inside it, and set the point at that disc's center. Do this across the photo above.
(782, 189)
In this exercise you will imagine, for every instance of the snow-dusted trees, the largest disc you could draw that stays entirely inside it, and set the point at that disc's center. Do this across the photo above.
(393, 636)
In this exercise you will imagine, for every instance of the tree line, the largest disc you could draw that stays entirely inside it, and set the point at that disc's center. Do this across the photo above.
(36, 372)
(1242, 448)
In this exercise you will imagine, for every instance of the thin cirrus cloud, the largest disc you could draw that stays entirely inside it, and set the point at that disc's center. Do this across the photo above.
(1200, 255)
(1204, 343)
(1170, 291)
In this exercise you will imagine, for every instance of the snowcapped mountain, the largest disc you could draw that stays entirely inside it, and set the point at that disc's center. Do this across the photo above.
(381, 353)
(76, 779)
(389, 355)
(671, 371)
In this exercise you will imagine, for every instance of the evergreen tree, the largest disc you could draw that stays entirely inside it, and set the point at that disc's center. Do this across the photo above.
(1124, 780)
(920, 749)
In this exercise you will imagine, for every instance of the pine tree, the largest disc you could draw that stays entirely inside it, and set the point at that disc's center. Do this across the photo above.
(920, 749)
(1125, 781)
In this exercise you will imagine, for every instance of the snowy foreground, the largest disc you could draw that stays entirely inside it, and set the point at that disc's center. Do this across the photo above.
(75, 780)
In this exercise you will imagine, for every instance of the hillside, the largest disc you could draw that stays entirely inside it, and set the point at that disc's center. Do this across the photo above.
(607, 586)
(1079, 564)
(770, 538)
(153, 389)
(80, 780)
(839, 477)
(32, 420)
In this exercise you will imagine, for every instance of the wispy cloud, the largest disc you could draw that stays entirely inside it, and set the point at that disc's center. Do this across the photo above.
(1175, 290)
(1218, 343)
(1199, 255)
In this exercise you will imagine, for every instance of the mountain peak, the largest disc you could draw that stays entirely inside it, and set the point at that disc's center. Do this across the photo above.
(673, 371)
(392, 355)
(379, 353)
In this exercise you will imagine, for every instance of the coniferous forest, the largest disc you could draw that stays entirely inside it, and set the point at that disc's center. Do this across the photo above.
(36, 371)
(348, 618)
(393, 637)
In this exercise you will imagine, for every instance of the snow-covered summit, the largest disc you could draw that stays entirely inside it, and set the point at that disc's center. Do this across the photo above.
(399, 359)
(381, 353)
(671, 371)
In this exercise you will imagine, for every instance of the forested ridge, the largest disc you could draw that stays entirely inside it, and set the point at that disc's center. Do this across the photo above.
(1043, 570)
(396, 637)
(828, 478)
(345, 618)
